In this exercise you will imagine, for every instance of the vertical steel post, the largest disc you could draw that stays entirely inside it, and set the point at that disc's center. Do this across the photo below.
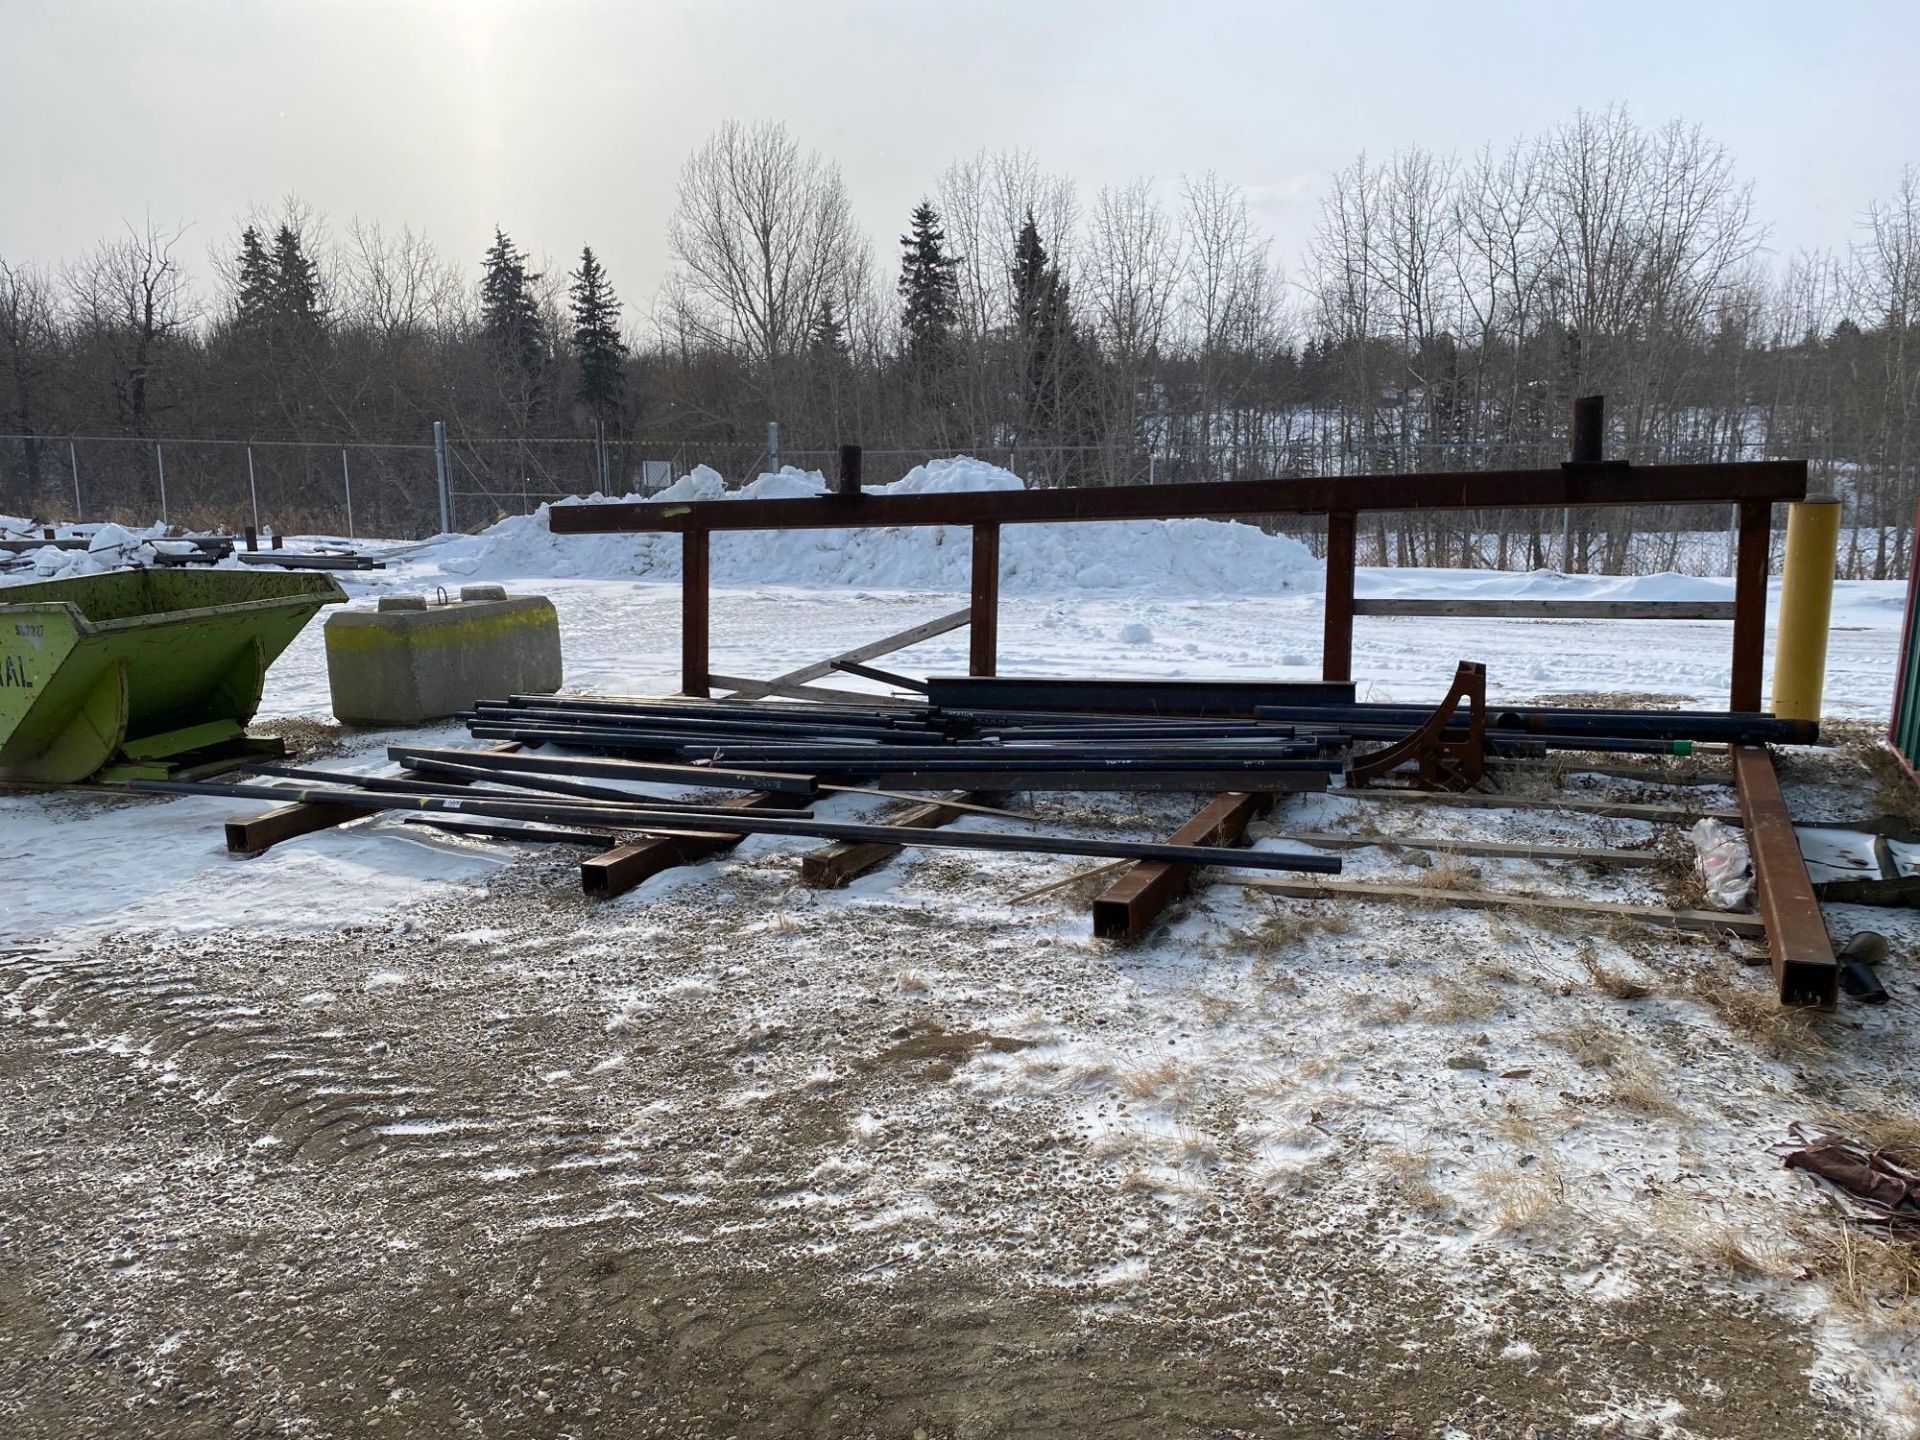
(253, 489)
(1336, 645)
(160, 466)
(346, 483)
(773, 446)
(848, 480)
(983, 618)
(1750, 603)
(73, 464)
(695, 551)
(440, 471)
(1586, 445)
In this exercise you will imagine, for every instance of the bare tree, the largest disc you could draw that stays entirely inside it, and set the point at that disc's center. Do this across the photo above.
(762, 234)
(130, 300)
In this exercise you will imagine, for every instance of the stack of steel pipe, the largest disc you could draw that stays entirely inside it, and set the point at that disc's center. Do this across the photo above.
(928, 748)
(1657, 732)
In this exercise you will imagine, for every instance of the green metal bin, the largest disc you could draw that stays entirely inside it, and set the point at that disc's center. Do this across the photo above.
(122, 674)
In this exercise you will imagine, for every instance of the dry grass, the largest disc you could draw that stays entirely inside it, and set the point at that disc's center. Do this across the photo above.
(1455, 1002)
(1593, 1044)
(1447, 872)
(1608, 981)
(1407, 1168)
(1636, 1088)
(1751, 1008)
(1164, 1082)
(1521, 1199)
(912, 982)
(1870, 1275)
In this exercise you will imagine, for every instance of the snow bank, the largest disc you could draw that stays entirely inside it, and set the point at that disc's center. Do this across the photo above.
(1168, 556)
(109, 547)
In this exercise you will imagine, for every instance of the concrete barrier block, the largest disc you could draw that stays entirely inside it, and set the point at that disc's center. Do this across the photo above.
(403, 663)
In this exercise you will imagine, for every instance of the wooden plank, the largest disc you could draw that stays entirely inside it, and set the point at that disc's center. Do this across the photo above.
(984, 644)
(695, 555)
(745, 689)
(1133, 902)
(1600, 485)
(625, 866)
(1336, 645)
(1753, 556)
(1551, 609)
(1698, 921)
(831, 866)
(1618, 809)
(872, 650)
(1492, 850)
(1803, 963)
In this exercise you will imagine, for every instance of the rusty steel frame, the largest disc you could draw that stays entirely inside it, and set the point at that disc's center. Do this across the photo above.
(1804, 968)
(1755, 486)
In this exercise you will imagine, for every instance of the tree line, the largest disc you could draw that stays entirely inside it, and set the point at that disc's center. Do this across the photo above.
(1445, 314)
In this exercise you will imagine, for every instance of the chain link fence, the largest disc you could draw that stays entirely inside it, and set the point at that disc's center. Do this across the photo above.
(393, 491)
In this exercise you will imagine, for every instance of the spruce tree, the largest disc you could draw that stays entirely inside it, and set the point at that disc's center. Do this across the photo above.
(253, 300)
(510, 315)
(929, 288)
(295, 289)
(1044, 327)
(596, 337)
(829, 335)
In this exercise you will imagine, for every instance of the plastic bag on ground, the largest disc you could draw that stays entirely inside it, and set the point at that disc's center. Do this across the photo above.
(1720, 853)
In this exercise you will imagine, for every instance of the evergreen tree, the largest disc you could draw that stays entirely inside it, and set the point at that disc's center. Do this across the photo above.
(929, 288)
(829, 335)
(510, 317)
(596, 337)
(295, 289)
(253, 301)
(1044, 327)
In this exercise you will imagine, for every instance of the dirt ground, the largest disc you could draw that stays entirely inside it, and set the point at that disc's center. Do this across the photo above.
(730, 1158)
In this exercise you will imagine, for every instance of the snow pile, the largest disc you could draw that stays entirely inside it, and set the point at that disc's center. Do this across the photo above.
(1168, 556)
(109, 547)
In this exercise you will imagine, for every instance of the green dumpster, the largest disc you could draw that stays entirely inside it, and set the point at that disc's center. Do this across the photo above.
(137, 672)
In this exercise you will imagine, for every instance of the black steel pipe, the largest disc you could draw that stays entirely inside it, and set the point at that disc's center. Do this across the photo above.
(693, 777)
(747, 822)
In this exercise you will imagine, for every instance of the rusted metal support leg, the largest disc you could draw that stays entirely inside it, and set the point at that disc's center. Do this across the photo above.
(1750, 603)
(625, 866)
(1134, 901)
(1336, 650)
(695, 547)
(984, 641)
(831, 866)
(1803, 963)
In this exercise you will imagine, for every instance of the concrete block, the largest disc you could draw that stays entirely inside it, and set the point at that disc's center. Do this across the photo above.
(406, 661)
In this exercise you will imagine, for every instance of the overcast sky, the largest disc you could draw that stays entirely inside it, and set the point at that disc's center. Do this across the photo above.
(567, 121)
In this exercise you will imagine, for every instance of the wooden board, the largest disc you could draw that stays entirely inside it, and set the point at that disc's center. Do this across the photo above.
(1490, 849)
(1698, 921)
(1552, 609)
(1619, 809)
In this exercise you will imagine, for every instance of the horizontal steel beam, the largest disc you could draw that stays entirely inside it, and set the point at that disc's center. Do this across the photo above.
(1551, 609)
(1747, 481)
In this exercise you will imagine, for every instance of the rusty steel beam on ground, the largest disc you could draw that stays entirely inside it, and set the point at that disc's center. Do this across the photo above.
(1133, 902)
(1761, 481)
(625, 866)
(831, 866)
(1803, 963)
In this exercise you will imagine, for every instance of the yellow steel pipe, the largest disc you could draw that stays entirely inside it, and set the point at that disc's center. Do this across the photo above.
(1806, 607)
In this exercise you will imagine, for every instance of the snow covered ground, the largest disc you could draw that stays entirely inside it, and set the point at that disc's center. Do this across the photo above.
(911, 1156)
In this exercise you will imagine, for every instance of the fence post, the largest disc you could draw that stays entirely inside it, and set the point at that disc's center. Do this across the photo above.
(160, 468)
(73, 464)
(440, 470)
(346, 483)
(773, 446)
(253, 490)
